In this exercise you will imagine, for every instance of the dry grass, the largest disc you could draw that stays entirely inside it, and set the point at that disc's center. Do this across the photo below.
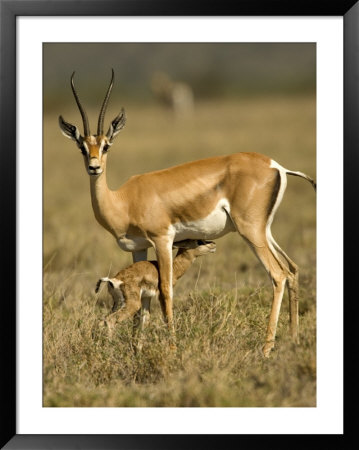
(221, 305)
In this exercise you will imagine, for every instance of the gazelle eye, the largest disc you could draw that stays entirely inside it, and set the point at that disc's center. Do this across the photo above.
(105, 148)
(83, 150)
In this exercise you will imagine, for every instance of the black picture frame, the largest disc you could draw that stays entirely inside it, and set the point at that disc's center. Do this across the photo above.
(9, 10)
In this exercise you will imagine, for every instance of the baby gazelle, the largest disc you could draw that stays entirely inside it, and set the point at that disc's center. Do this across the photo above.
(133, 288)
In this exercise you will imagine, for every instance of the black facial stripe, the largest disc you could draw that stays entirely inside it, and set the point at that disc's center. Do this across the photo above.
(83, 148)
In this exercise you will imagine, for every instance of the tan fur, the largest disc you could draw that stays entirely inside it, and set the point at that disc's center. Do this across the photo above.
(182, 193)
(139, 282)
(152, 209)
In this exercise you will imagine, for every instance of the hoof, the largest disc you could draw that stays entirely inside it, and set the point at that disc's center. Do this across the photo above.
(267, 349)
(137, 348)
(106, 325)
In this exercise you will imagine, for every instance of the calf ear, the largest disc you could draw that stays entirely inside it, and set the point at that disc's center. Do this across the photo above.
(98, 284)
(69, 130)
(116, 125)
(114, 283)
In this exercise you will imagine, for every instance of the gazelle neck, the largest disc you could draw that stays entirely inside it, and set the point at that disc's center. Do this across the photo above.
(181, 263)
(104, 204)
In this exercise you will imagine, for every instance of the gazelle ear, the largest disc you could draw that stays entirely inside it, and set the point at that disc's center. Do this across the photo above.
(70, 131)
(116, 125)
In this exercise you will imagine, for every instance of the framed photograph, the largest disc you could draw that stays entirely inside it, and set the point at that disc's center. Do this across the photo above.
(246, 98)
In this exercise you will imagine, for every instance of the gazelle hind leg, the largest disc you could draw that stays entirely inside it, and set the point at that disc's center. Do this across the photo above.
(278, 273)
(291, 264)
(293, 306)
(278, 277)
(292, 285)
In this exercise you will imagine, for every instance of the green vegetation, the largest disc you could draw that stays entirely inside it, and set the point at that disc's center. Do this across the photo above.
(221, 305)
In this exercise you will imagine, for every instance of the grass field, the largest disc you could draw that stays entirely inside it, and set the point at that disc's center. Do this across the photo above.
(221, 305)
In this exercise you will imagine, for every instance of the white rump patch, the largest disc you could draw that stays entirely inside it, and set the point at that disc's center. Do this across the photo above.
(283, 185)
(275, 165)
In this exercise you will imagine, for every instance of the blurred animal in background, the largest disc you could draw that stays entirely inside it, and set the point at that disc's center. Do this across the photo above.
(174, 95)
(133, 288)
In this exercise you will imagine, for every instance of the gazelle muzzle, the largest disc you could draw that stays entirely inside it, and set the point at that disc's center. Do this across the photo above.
(94, 167)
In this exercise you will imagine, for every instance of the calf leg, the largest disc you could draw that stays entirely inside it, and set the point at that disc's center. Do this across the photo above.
(140, 322)
(131, 306)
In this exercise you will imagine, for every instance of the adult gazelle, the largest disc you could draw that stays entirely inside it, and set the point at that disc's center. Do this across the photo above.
(202, 199)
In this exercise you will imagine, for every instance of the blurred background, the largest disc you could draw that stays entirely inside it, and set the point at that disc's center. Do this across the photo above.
(212, 70)
(183, 102)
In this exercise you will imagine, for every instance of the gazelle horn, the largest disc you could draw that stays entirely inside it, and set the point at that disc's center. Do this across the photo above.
(104, 106)
(82, 111)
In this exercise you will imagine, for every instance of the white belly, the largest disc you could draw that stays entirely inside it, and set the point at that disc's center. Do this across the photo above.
(133, 244)
(215, 225)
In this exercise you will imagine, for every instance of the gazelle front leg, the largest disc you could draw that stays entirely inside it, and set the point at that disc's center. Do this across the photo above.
(163, 248)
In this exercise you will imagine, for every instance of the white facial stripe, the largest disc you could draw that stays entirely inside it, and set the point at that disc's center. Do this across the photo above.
(101, 148)
(92, 140)
(84, 144)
